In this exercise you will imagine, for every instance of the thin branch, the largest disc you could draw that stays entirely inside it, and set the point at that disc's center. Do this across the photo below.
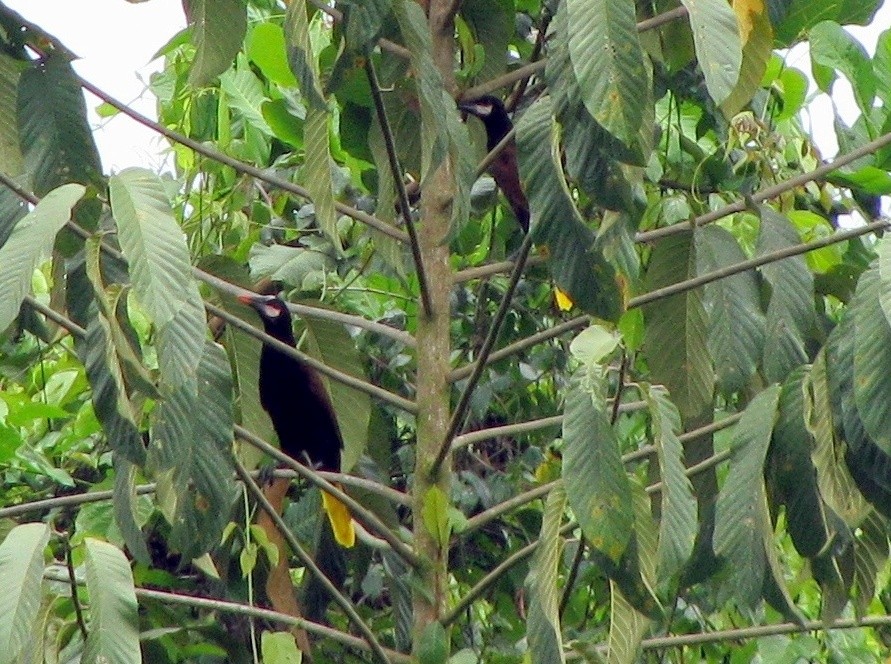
(744, 266)
(399, 180)
(321, 367)
(489, 433)
(768, 192)
(463, 405)
(360, 512)
(487, 581)
(761, 631)
(234, 608)
(72, 584)
(523, 344)
(385, 44)
(56, 317)
(491, 269)
(310, 564)
(487, 516)
(241, 167)
(517, 75)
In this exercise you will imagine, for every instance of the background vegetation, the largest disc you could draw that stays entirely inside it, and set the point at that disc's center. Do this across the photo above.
(689, 460)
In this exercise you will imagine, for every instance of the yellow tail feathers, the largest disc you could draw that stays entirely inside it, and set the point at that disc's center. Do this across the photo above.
(340, 519)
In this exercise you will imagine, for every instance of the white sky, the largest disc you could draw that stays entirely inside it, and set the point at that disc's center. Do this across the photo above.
(116, 40)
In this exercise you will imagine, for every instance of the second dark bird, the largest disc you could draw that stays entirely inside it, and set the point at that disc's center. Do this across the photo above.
(299, 406)
(490, 110)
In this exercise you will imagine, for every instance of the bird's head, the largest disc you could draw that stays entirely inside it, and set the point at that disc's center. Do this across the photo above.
(273, 312)
(491, 111)
(483, 107)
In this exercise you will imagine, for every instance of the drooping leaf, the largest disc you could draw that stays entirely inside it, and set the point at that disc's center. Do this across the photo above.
(678, 526)
(10, 152)
(30, 241)
(741, 513)
(191, 438)
(329, 342)
(543, 621)
(160, 269)
(578, 268)
(871, 556)
(218, 29)
(872, 354)
(54, 135)
(736, 322)
(790, 313)
(114, 621)
(21, 574)
(596, 483)
(756, 34)
(125, 509)
(676, 334)
(794, 472)
(244, 93)
(317, 166)
(492, 25)
(628, 625)
(833, 48)
(363, 20)
(614, 83)
(793, 18)
(718, 45)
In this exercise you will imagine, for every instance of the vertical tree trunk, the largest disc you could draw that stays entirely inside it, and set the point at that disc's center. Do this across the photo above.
(433, 349)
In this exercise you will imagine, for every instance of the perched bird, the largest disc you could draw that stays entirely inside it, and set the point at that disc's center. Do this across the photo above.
(503, 170)
(299, 406)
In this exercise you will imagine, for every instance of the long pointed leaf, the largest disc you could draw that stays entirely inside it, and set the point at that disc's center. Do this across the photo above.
(114, 621)
(21, 572)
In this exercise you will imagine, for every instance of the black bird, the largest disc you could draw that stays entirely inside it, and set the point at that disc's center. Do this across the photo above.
(503, 170)
(299, 406)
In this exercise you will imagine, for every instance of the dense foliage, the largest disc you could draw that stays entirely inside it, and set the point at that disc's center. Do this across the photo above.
(663, 415)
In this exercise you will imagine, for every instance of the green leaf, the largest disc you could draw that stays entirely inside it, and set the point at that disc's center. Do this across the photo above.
(596, 484)
(279, 648)
(736, 323)
(126, 504)
(152, 242)
(191, 439)
(757, 35)
(872, 355)
(54, 134)
(741, 519)
(30, 242)
(244, 93)
(678, 526)
(608, 63)
(317, 165)
(114, 620)
(793, 18)
(594, 344)
(364, 20)
(435, 514)
(871, 557)
(110, 397)
(265, 46)
(492, 25)
(676, 334)
(790, 314)
(794, 473)
(543, 620)
(160, 269)
(718, 45)
(21, 574)
(832, 47)
(10, 152)
(578, 268)
(433, 644)
(332, 344)
(218, 29)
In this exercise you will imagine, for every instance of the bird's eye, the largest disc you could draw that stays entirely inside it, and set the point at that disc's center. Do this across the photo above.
(271, 311)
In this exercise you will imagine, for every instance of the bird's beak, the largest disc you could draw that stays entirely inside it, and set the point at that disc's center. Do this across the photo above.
(250, 300)
(475, 108)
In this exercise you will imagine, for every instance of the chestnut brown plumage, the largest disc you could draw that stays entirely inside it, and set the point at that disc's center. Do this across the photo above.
(299, 406)
(490, 110)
